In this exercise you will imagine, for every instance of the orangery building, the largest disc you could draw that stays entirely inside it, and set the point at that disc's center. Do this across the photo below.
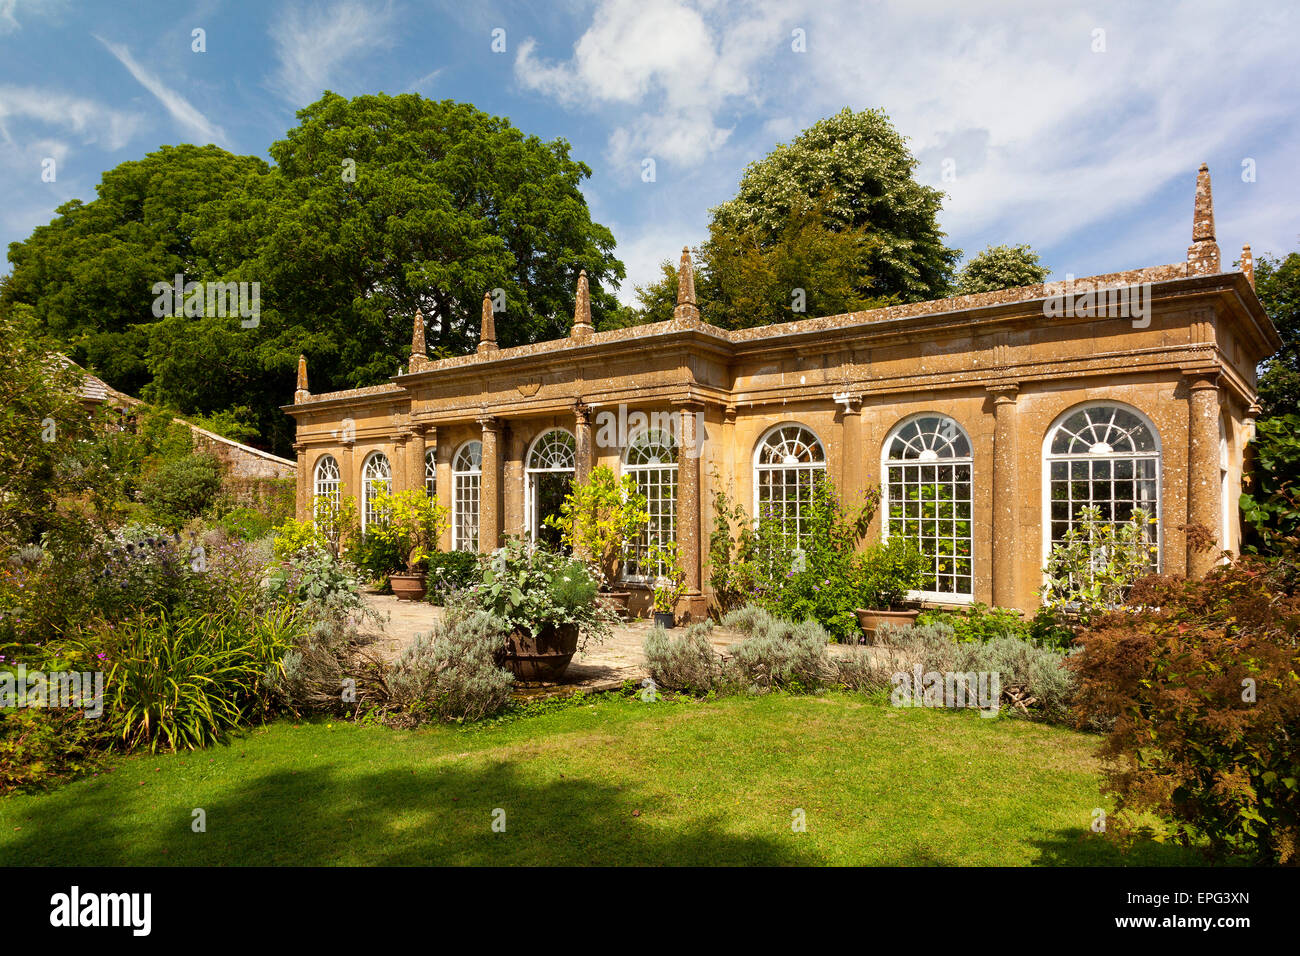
(1010, 410)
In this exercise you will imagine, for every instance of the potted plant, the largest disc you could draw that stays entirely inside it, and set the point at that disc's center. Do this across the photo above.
(412, 522)
(598, 519)
(550, 602)
(669, 585)
(889, 572)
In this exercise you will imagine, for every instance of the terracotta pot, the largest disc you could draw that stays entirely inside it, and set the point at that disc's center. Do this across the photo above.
(665, 619)
(542, 656)
(616, 601)
(407, 587)
(869, 620)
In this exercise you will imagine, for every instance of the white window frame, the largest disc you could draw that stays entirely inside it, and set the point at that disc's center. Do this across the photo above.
(531, 473)
(431, 472)
(367, 481)
(757, 469)
(1048, 458)
(464, 480)
(663, 471)
(888, 465)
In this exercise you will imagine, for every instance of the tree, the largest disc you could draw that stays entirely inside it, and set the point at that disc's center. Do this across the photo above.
(861, 167)
(382, 205)
(1277, 281)
(88, 275)
(1000, 267)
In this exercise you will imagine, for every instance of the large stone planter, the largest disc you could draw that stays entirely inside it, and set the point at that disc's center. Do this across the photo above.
(869, 620)
(542, 656)
(407, 587)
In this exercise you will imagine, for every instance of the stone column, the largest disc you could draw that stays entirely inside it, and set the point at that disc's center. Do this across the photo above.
(582, 434)
(852, 468)
(489, 517)
(688, 507)
(415, 458)
(302, 501)
(400, 456)
(1203, 492)
(349, 480)
(446, 498)
(1005, 501)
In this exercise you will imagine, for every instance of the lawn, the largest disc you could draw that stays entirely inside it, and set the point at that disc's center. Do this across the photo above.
(614, 781)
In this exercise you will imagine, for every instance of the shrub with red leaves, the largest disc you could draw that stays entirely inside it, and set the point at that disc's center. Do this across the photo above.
(1200, 684)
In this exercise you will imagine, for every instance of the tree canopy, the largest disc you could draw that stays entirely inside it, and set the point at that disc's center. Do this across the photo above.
(1277, 281)
(375, 207)
(1000, 267)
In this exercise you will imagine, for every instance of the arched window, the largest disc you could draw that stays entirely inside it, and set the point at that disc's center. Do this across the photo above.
(431, 472)
(651, 460)
(787, 462)
(376, 476)
(927, 467)
(325, 480)
(466, 484)
(1101, 455)
(549, 468)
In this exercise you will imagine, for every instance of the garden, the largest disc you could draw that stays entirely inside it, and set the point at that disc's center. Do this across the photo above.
(164, 647)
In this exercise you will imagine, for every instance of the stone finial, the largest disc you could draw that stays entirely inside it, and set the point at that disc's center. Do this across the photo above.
(686, 306)
(1248, 264)
(487, 335)
(582, 327)
(419, 352)
(301, 393)
(1203, 253)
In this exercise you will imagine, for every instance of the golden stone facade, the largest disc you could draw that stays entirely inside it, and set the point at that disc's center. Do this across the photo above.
(1019, 404)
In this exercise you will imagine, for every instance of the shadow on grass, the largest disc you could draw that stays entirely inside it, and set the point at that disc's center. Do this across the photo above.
(338, 815)
(1075, 848)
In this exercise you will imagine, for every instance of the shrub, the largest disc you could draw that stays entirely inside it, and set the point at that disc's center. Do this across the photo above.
(1033, 679)
(377, 555)
(315, 575)
(182, 488)
(452, 673)
(313, 674)
(861, 669)
(1272, 507)
(408, 527)
(1098, 561)
(43, 746)
(449, 572)
(293, 536)
(776, 653)
(823, 581)
(244, 523)
(530, 587)
(980, 623)
(1199, 682)
(686, 662)
(893, 568)
(177, 683)
(599, 517)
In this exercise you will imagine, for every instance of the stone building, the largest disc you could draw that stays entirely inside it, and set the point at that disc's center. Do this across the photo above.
(986, 420)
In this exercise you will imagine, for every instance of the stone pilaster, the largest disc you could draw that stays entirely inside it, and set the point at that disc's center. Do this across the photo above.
(444, 451)
(415, 445)
(688, 510)
(302, 501)
(1005, 498)
(582, 443)
(489, 517)
(1203, 492)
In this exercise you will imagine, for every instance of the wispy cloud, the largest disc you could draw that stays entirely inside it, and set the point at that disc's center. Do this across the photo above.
(181, 110)
(313, 44)
(92, 121)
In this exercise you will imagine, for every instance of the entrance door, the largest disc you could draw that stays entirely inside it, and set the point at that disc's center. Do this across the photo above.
(550, 488)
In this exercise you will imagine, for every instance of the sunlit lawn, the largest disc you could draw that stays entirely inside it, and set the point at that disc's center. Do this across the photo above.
(614, 782)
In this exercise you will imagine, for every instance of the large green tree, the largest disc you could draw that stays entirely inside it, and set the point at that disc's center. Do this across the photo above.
(859, 167)
(1277, 280)
(1000, 267)
(88, 275)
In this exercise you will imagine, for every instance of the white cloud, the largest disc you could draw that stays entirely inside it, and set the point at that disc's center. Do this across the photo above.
(679, 69)
(92, 121)
(181, 110)
(313, 44)
(9, 12)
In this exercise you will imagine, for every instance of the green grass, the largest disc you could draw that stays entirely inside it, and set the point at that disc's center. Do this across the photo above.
(614, 781)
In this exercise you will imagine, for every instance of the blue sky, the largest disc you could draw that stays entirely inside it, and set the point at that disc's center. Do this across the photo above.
(1082, 143)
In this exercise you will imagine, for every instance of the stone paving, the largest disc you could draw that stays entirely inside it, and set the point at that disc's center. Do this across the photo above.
(599, 668)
